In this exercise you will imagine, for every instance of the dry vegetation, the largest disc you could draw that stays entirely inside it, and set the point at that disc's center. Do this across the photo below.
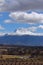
(16, 55)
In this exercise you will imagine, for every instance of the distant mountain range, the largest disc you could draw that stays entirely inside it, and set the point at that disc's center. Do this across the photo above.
(27, 40)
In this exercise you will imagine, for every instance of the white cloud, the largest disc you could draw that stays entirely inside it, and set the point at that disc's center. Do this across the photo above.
(1, 27)
(21, 33)
(2, 34)
(40, 26)
(25, 31)
(32, 29)
(8, 21)
(32, 17)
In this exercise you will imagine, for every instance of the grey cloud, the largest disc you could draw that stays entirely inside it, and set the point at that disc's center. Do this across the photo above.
(21, 5)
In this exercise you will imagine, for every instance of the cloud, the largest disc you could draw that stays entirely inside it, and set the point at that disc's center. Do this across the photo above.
(28, 31)
(2, 2)
(8, 21)
(2, 34)
(21, 5)
(32, 29)
(32, 17)
(40, 26)
(1, 27)
(25, 31)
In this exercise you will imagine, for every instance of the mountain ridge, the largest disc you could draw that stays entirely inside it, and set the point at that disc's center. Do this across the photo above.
(27, 40)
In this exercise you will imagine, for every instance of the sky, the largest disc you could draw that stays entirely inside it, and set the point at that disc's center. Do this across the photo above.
(21, 17)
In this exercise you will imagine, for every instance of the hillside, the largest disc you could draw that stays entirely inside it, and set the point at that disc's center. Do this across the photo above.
(22, 40)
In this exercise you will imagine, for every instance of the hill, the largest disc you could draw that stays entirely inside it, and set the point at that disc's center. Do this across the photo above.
(28, 40)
